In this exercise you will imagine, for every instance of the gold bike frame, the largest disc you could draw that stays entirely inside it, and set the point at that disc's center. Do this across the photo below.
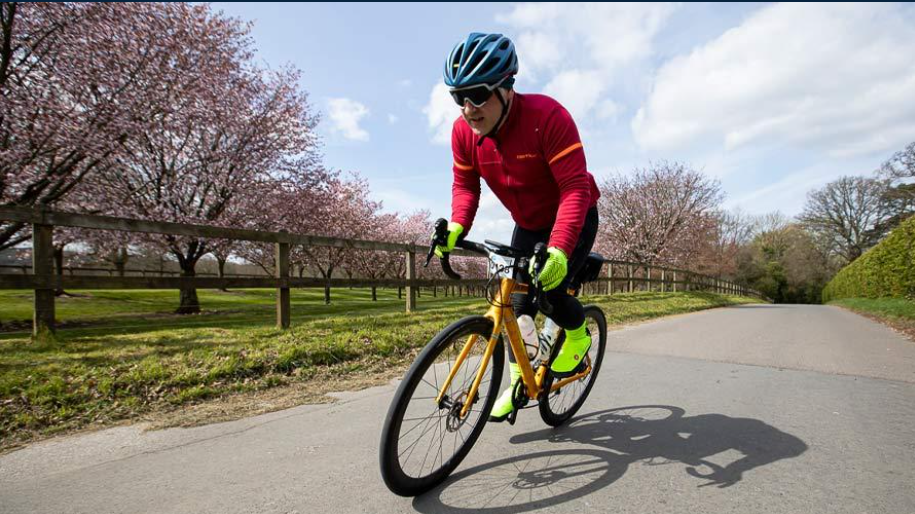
(503, 316)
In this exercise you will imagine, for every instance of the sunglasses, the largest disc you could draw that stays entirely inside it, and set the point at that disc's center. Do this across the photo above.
(477, 95)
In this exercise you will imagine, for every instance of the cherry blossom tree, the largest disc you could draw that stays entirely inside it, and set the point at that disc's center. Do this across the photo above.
(234, 138)
(80, 80)
(295, 205)
(657, 214)
(372, 264)
(346, 212)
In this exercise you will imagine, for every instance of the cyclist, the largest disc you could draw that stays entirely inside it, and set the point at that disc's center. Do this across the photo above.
(527, 149)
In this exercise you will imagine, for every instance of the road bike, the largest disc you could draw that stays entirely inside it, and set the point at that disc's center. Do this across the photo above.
(443, 402)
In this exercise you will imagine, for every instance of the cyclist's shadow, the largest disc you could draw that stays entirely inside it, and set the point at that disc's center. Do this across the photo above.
(603, 445)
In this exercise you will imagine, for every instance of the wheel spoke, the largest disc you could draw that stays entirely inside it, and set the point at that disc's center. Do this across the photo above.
(424, 428)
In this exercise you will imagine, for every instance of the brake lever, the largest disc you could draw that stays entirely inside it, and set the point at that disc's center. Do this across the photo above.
(441, 239)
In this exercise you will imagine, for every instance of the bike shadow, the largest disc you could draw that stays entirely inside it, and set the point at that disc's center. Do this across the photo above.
(598, 449)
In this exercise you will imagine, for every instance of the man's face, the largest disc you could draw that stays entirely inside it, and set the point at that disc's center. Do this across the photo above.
(483, 119)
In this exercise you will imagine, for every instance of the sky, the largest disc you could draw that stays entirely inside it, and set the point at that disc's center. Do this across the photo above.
(772, 100)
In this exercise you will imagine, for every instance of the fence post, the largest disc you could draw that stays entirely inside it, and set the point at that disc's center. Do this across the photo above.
(283, 301)
(411, 275)
(610, 276)
(43, 269)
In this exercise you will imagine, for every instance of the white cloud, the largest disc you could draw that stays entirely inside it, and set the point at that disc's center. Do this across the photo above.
(345, 115)
(579, 91)
(392, 119)
(837, 77)
(441, 111)
(582, 50)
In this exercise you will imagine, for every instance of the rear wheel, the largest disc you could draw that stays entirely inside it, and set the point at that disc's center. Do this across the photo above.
(423, 441)
(559, 406)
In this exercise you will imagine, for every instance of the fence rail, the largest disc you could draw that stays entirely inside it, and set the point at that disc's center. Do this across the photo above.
(26, 269)
(621, 276)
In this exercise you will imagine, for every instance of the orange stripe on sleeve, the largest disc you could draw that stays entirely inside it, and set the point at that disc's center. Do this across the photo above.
(465, 167)
(563, 153)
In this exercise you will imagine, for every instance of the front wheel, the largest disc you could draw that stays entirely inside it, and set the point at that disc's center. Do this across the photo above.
(559, 406)
(423, 441)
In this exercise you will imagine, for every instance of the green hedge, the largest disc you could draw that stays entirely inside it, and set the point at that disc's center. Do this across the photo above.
(887, 269)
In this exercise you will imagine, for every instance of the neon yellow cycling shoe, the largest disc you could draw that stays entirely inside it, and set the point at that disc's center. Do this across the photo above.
(503, 406)
(572, 353)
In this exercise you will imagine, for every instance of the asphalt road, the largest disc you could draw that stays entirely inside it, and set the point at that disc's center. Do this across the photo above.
(755, 409)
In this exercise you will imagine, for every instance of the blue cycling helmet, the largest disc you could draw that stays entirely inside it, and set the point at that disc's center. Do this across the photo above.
(481, 59)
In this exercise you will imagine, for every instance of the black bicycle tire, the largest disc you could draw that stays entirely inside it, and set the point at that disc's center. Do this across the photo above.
(546, 412)
(398, 481)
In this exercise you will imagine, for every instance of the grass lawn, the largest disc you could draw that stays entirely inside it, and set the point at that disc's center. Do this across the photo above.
(898, 313)
(893, 308)
(141, 310)
(133, 358)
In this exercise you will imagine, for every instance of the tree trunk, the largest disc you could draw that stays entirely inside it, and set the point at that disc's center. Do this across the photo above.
(326, 294)
(374, 294)
(59, 263)
(120, 260)
(190, 304)
(400, 293)
(221, 270)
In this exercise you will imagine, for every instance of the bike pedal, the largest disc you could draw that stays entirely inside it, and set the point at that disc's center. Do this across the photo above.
(512, 416)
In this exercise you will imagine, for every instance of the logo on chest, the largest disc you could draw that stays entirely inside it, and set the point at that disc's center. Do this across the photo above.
(522, 156)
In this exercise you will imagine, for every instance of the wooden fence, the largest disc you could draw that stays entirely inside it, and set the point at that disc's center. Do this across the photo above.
(621, 276)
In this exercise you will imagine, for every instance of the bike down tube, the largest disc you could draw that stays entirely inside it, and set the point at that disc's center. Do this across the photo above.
(499, 313)
(517, 346)
(495, 314)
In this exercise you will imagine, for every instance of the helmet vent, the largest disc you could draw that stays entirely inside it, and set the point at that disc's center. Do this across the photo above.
(487, 67)
(469, 50)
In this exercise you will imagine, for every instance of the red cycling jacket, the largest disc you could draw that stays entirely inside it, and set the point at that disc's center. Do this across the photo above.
(535, 166)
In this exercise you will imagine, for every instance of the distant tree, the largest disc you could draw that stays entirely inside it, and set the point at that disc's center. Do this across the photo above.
(785, 262)
(845, 214)
(222, 249)
(346, 213)
(899, 197)
(657, 214)
(720, 249)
